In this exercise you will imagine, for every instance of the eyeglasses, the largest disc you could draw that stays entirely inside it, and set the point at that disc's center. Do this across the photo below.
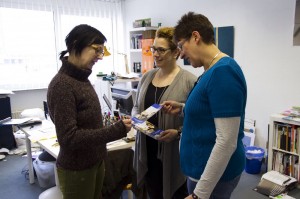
(159, 50)
(98, 50)
(179, 45)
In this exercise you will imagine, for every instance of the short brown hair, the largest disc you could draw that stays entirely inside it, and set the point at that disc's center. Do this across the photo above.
(194, 22)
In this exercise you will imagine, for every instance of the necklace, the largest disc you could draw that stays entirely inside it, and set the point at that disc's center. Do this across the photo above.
(157, 100)
(208, 67)
(213, 59)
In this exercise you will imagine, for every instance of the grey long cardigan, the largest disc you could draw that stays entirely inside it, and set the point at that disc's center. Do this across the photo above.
(168, 153)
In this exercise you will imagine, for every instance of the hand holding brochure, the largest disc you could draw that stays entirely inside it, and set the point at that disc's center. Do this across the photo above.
(140, 122)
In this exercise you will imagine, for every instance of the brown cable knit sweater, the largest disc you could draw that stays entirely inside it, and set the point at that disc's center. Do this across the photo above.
(75, 110)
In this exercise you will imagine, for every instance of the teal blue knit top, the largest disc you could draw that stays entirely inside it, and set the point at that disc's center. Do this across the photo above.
(221, 92)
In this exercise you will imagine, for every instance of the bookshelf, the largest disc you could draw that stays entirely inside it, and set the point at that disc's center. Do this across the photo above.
(140, 55)
(284, 146)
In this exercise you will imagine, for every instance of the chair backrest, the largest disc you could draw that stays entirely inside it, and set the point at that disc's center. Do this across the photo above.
(46, 112)
(33, 112)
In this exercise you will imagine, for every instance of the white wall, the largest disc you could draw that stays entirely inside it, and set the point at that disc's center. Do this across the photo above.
(263, 46)
(21, 100)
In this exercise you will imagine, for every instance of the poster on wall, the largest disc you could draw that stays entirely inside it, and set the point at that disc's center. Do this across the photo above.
(224, 37)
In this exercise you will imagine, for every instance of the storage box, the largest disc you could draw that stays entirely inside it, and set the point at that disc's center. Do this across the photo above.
(142, 23)
(45, 173)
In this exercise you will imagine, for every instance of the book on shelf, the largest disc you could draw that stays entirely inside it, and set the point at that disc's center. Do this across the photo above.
(274, 183)
(286, 163)
(286, 137)
(292, 118)
(292, 114)
(141, 124)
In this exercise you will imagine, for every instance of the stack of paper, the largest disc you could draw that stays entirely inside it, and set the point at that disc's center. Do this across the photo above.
(274, 183)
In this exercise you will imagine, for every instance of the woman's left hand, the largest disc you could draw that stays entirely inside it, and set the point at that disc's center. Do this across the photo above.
(189, 197)
(168, 135)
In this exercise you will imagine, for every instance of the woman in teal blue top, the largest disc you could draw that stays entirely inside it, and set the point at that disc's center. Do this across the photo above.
(211, 152)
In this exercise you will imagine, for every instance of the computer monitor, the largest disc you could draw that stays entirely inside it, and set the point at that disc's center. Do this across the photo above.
(123, 98)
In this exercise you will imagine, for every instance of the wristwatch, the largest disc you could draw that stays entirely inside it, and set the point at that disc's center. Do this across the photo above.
(194, 196)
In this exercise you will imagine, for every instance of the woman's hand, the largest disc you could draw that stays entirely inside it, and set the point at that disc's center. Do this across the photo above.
(189, 197)
(172, 107)
(127, 123)
(168, 135)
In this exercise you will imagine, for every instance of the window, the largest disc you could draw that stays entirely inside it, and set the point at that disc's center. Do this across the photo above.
(104, 25)
(27, 53)
(32, 35)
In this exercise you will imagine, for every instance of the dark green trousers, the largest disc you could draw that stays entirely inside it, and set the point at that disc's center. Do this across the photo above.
(85, 184)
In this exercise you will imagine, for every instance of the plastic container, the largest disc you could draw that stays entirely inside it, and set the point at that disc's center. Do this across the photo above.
(45, 173)
(254, 157)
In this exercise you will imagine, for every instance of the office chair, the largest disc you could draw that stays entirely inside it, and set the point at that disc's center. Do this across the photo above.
(45, 108)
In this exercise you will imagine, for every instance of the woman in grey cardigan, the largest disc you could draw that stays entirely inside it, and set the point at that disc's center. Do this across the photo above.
(156, 162)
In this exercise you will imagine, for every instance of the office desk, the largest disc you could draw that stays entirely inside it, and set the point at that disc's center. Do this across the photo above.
(49, 142)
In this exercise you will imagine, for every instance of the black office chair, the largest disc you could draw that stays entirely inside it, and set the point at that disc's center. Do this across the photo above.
(45, 108)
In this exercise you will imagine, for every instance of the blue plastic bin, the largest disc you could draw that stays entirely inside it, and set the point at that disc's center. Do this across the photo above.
(254, 157)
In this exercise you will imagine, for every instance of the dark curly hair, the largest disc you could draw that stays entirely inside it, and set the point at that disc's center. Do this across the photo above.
(194, 22)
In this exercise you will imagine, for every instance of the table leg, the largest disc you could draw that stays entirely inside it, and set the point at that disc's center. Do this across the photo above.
(29, 159)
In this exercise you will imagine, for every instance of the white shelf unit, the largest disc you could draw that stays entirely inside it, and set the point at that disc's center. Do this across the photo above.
(135, 51)
(284, 146)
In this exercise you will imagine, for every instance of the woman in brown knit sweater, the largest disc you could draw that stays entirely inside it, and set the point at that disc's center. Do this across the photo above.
(75, 110)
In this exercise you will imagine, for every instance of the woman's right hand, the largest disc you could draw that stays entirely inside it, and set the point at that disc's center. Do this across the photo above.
(172, 107)
(127, 123)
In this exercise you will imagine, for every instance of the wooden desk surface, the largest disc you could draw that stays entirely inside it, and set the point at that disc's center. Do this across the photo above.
(50, 144)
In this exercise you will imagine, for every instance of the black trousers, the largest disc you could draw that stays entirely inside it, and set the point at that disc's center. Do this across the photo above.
(154, 176)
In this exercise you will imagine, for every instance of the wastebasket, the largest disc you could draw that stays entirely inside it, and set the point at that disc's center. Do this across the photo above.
(254, 157)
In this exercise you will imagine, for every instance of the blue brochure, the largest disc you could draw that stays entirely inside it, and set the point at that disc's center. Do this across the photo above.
(141, 124)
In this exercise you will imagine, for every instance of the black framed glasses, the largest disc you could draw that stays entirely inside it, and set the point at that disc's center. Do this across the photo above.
(180, 44)
(98, 50)
(159, 50)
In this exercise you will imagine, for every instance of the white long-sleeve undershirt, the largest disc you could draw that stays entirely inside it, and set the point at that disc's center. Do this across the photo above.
(226, 142)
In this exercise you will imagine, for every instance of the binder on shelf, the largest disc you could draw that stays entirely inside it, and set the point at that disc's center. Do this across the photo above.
(147, 58)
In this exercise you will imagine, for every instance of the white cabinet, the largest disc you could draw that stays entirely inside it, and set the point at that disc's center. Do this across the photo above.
(138, 47)
(284, 146)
